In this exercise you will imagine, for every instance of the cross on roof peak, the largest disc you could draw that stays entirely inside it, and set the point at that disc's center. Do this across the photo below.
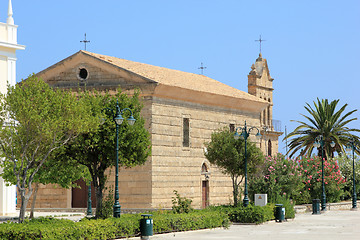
(85, 41)
(260, 41)
(202, 68)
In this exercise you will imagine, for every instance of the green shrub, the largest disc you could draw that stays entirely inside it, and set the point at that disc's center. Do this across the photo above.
(297, 179)
(252, 214)
(181, 204)
(277, 176)
(311, 169)
(346, 169)
(288, 205)
(197, 219)
(111, 228)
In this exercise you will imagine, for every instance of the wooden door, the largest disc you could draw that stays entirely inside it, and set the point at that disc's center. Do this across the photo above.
(205, 194)
(80, 195)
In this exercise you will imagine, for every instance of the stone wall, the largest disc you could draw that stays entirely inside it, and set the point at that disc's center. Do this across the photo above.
(50, 196)
(329, 207)
(176, 167)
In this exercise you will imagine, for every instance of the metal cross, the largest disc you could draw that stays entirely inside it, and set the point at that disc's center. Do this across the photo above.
(202, 69)
(260, 40)
(85, 41)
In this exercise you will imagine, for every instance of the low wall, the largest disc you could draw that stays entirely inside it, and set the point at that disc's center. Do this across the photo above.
(329, 206)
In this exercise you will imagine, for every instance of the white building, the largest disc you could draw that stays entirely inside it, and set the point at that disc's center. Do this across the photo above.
(8, 47)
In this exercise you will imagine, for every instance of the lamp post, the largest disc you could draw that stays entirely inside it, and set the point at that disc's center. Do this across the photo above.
(354, 198)
(89, 209)
(245, 133)
(118, 119)
(319, 142)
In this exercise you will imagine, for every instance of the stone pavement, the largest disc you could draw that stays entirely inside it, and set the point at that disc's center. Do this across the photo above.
(326, 226)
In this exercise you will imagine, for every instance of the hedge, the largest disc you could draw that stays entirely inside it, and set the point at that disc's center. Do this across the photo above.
(111, 228)
(252, 214)
(128, 224)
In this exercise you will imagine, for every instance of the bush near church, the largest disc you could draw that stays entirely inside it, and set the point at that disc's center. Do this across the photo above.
(278, 176)
(346, 169)
(311, 170)
(297, 179)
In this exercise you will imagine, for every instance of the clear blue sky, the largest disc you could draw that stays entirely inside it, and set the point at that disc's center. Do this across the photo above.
(312, 46)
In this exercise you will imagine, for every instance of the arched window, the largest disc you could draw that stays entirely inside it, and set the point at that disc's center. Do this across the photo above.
(204, 168)
(264, 117)
(269, 148)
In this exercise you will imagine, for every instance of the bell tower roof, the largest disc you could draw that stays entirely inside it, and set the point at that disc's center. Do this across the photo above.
(10, 19)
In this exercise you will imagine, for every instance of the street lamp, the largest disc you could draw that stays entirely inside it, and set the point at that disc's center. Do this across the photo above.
(245, 133)
(89, 209)
(319, 142)
(118, 119)
(352, 146)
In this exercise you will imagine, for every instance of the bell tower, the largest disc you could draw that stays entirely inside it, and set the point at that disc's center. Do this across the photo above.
(8, 47)
(260, 84)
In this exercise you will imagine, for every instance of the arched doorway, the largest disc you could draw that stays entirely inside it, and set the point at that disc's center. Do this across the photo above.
(205, 186)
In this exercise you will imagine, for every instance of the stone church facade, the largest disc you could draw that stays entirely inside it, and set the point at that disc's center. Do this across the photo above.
(181, 111)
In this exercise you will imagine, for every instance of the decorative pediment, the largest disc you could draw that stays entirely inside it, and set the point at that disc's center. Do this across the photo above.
(81, 70)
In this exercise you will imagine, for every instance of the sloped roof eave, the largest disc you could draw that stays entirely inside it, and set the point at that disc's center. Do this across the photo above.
(210, 99)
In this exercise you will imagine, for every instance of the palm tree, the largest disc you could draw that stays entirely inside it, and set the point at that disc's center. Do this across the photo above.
(327, 122)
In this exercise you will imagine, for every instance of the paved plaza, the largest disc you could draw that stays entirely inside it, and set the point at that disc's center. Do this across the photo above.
(330, 225)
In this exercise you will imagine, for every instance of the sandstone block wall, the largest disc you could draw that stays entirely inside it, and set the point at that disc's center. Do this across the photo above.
(176, 167)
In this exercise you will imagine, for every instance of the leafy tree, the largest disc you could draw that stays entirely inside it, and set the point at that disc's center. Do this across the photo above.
(229, 155)
(327, 121)
(64, 173)
(96, 149)
(37, 121)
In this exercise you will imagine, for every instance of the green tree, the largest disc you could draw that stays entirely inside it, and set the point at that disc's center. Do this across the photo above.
(229, 155)
(96, 149)
(36, 120)
(327, 121)
(64, 173)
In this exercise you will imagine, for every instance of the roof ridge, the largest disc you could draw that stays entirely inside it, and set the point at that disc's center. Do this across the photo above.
(174, 77)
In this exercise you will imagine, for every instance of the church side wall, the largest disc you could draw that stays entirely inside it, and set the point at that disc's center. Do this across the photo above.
(135, 184)
(176, 167)
(48, 196)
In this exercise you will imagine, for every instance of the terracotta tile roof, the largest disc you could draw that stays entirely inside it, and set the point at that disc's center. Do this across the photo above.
(176, 78)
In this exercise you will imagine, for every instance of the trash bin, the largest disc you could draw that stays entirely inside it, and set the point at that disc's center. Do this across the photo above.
(316, 206)
(146, 226)
(279, 213)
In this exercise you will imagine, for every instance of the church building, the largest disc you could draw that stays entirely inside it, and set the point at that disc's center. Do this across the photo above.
(181, 110)
(8, 48)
